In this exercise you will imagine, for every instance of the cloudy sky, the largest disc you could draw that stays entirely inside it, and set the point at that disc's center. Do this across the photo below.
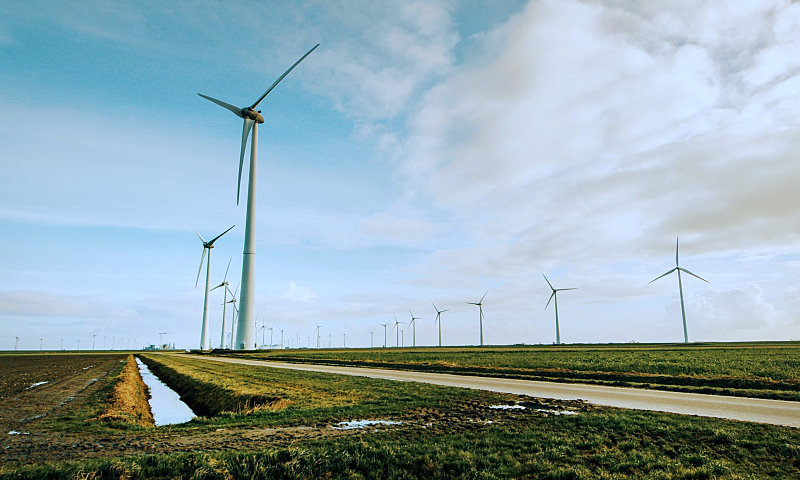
(425, 152)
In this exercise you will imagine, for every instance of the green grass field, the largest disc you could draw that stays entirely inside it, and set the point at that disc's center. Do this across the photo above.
(766, 370)
(596, 443)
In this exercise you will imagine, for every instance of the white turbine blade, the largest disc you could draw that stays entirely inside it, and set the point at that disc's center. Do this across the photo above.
(484, 296)
(248, 125)
(562, 289)
(282, 77)
(211, 242)
(443, 311)
(653, 280)
(692, 274)
(677, 239)
(200, 236)
(551, 298)
(202, 258)
(232, 108)
(237, 289)
(220, 285)
(226, 271)
(548, 282)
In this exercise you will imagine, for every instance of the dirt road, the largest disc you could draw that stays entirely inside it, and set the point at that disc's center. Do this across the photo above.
(775, 412)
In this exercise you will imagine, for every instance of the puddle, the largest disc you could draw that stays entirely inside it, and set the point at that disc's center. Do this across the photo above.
(37, 384)
(557, 412)
(508, 407)
(165, 403)
(363, 423)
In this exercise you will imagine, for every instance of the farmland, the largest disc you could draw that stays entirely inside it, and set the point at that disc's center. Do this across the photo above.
(764, 370)
(262, 422)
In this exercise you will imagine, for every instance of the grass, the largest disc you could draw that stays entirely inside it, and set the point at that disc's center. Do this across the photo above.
(230, 394)
(605, 444)
(766, 370)
(128, 401)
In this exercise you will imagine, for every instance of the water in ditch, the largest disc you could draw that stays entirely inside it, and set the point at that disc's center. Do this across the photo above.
(165, 403)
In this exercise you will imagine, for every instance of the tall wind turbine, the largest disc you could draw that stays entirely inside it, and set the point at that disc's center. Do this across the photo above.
(384, 334)
(439, 320)
(480, 308)
(224, 286)
(680, 269)
(413, 325)
(204, 340)
(554, 295)
(245, 332)
(318, 335)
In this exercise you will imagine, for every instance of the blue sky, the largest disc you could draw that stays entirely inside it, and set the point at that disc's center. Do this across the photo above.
(425, 152)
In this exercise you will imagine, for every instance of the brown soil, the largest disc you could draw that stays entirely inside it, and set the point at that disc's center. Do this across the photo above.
(70, 378)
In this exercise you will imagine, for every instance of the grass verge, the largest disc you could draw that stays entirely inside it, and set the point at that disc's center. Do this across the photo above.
(128, 400)
(763, 370)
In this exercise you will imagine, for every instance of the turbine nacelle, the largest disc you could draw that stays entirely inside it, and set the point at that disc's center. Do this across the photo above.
(251, 114)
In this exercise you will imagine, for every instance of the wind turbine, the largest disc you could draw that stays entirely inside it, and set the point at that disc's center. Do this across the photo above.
(161, 338)
(397, 331)
(439, 319)
(204, 340)
(480, 308)
(413, 324)
(371, 343)
(384, 334)
(252, 117)
(318, 335)
(680, 269)
(554, 295)
(233, 312)
(224, 286)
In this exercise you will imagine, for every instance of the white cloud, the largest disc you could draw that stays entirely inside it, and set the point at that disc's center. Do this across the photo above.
(298, 293)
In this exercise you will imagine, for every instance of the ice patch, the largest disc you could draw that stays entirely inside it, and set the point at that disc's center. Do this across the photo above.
(557, 412)
(37, 384)
(13, 432)
(363, 423)
(508, 407)
(87, 368)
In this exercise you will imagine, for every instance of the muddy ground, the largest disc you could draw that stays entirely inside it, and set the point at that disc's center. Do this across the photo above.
(38, 441)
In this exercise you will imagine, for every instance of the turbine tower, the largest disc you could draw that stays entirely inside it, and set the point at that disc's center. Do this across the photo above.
(204, 340)
(318, 335)
(413, 325)
(439, 320)
(245, 332)
(224, 286)
(384, 334)
(397, 331)
(680, 269)
(554, 295)
(480, 309)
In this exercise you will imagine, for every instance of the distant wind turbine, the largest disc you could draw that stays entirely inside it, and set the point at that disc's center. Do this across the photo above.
(554, 295)
(233, 313)
(397, 331)
(245, 332)
(224, 286)
(439, 320)
(204, 340)
(384, 334)
(480, 309)
(371, 342)
(413, 325)
(318, 335)
(680, 269)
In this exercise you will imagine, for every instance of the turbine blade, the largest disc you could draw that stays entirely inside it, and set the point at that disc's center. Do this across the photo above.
(677, 239)
(248, 125)
(562, 289)
(200, 236)
(548, 282)
(220, 285)
(443, 311)
(551, 298)
(484, 296)
(202, 258)
(282, 77)
(226, 271)
(232, 108)
(692, 274)
(653, 280)
(211, 242)
(237, 289)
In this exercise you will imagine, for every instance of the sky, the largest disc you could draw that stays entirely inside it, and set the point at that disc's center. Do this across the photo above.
(426, 152)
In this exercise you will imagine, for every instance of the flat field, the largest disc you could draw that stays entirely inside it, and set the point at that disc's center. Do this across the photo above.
(764, 370)
(262, 422)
